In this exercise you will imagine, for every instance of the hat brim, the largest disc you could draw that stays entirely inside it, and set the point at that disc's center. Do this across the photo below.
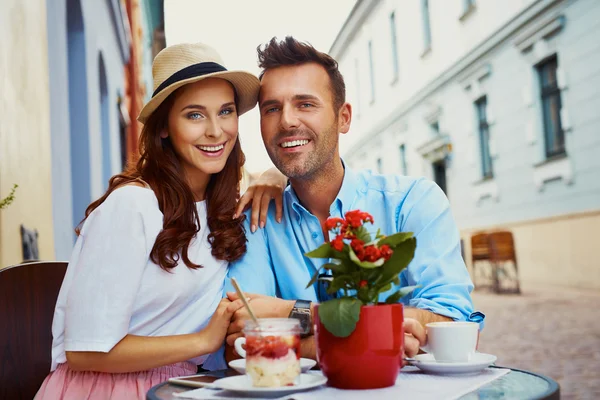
(246, 87)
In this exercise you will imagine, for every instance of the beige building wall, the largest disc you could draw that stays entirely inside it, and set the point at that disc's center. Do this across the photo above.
(559, 251)
(24, 128)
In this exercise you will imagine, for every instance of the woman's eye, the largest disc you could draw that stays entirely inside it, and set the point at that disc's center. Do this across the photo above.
(227, 111)
(194, 115)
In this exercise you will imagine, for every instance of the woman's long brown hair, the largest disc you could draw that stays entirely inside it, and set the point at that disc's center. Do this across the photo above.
(159, 166)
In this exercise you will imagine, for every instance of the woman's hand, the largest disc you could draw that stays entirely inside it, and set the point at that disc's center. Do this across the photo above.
(270, 185)
(214, 334)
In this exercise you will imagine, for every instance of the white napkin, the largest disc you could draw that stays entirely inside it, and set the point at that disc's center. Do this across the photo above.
(411, 383)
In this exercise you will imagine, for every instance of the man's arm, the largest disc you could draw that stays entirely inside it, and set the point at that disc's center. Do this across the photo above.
(423, 316)
(444, 285)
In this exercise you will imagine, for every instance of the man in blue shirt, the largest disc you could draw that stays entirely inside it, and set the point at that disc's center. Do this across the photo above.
(303, 110)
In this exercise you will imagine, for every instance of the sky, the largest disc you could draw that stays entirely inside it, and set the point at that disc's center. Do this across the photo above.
(236, 27)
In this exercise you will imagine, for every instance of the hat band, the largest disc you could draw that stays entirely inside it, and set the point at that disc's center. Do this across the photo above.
(192, 71)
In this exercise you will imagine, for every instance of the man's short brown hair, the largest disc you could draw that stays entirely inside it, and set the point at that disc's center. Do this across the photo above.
(292, 52)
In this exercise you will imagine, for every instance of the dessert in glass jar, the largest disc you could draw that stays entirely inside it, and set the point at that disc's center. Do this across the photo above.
(272, 351)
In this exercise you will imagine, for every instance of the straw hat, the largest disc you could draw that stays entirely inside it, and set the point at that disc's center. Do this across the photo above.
(185, 63)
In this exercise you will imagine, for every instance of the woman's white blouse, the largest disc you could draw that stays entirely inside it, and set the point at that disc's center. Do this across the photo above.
(112, 288)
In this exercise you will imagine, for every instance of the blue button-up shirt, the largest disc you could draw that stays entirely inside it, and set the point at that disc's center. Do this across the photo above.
(275, 263)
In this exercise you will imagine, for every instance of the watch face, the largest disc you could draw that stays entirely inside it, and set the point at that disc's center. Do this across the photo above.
(304, 322)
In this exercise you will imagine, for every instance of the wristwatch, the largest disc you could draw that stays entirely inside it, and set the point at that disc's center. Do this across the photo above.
(301, 312)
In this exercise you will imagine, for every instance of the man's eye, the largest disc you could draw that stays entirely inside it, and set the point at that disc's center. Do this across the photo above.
(270, 110)
(306, 105)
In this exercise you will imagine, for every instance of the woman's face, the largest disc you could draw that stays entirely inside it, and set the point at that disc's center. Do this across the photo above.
(203, 126)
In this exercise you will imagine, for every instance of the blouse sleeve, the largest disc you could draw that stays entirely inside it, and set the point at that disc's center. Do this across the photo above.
(108, 267)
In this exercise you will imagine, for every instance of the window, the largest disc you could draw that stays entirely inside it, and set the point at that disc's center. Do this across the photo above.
(403, 167)
(468, 4)
(426, 25)
(484, 138)
(395, 66)
(435, 128)
(380, 165)
(554, 137)
(371, 71)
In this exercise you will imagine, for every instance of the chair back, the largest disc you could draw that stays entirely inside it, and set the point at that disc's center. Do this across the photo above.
(502, 246)
(28, 294)
(480, 247)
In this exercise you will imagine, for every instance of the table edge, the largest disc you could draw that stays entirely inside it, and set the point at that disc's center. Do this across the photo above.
(553, 392)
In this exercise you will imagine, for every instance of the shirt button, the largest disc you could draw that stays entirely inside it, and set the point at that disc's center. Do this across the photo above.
(315, 235)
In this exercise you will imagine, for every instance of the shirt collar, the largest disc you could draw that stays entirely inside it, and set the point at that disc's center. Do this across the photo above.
(343, 201)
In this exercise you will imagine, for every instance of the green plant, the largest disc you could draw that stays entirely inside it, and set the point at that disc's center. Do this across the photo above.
(362, 268)
(5, 202)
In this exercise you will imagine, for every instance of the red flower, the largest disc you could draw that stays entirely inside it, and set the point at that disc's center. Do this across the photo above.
(356, 218)
(338, 243)
(333, 223)
(347, 231)
(362, 284)
(357, 245)
(386, 252)
(372, 253)
(366, 217)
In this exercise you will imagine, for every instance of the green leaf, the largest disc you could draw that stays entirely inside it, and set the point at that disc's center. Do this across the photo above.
(402, 256)
(363, 234)
(339, 282)
(326, 251)
(378, 235)
(339, 316)
(340, 267)
(323, 251)
(398, 294)
(384, 288)
(365, 264)
(395, 239)
(393, 298)
(8, 199)
(315, 277)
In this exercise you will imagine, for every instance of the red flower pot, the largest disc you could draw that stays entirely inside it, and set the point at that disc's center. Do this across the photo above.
(371, 356)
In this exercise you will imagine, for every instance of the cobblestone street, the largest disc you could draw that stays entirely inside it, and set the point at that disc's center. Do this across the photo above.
(554, 332)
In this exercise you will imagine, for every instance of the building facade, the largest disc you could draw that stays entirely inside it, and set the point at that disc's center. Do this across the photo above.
(78, 78)
(24, 128)
(498, 103)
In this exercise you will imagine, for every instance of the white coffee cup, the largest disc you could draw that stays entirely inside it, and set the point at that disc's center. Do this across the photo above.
(451, 341)
(239, 342)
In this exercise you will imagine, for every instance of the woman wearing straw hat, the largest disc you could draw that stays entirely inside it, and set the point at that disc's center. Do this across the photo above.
(143, 290)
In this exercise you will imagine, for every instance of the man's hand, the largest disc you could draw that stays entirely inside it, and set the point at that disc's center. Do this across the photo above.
(415, 337)
(269, 186)
(263, 307)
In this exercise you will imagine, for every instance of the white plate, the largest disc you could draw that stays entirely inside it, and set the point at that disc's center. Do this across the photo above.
(427, 363)
(240, 365)
(243, 385)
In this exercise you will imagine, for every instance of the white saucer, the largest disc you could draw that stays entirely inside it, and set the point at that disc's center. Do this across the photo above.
(240, 365)
(243, 385)
(427, 363)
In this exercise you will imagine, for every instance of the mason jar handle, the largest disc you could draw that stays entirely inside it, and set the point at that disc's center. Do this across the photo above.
(239, 342)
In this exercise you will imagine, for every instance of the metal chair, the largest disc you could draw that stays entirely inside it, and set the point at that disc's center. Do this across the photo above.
(28, 294)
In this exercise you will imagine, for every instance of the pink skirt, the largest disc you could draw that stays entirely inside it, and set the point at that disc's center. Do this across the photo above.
(66, 384)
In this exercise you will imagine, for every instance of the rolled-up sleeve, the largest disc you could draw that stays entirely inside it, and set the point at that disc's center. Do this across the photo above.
(438, 267)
